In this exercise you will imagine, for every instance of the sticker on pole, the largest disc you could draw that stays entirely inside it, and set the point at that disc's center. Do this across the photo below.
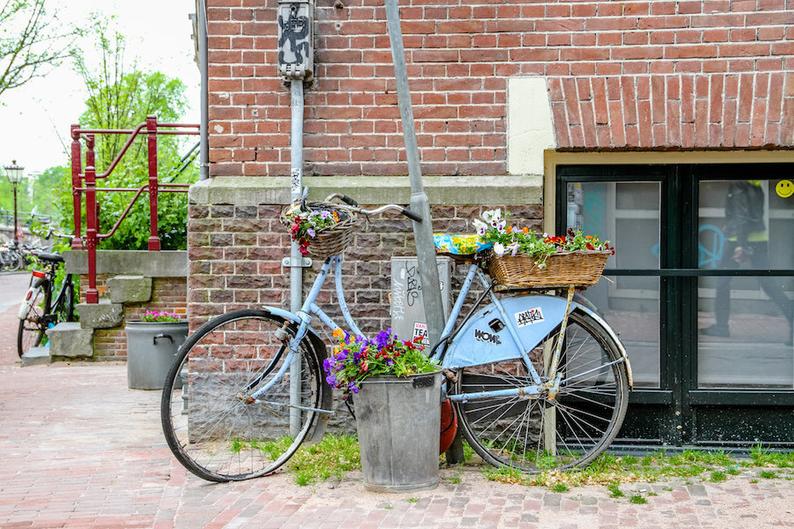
(420, 333)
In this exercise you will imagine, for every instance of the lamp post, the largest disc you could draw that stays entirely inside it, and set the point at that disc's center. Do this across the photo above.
(14, 174)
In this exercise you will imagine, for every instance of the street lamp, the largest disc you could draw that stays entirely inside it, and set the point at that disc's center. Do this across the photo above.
(14, 174)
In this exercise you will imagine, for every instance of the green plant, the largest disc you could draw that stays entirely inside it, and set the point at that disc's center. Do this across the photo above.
(156, 316)
(559, 487)
(614, 490)
(717, 476)
(412, 500)
(356, 358)
(305, 225)
(493, 230)
(637, 499)
(768, 474)
(505, 475)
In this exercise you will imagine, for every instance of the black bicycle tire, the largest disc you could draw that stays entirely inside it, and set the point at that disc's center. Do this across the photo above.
(598, 332)
(21, 329)
(165, 402)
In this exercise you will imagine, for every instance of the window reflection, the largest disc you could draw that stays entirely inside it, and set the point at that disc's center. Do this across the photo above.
(626, 213)
(745, 323)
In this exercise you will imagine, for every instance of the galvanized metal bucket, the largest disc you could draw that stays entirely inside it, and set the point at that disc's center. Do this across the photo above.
(151, 350)
(398, 420)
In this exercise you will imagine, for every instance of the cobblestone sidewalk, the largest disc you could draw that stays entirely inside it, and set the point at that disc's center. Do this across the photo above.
(80, 450)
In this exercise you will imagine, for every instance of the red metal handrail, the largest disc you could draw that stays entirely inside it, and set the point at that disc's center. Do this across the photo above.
(84, 183)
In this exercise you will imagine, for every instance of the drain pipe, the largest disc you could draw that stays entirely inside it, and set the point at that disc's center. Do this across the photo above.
(204, 156)
(295, 64)
(296, 259)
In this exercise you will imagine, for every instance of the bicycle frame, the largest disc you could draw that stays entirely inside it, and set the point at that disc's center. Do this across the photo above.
(502, 330)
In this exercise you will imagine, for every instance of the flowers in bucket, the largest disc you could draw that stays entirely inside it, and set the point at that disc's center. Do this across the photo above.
(513, 240)
(355, 358)
(305, 225)
(156, 316)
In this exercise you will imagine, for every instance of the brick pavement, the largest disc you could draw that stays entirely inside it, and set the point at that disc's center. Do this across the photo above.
(80, 450)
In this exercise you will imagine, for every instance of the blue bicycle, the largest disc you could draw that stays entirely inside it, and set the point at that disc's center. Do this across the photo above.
(538, 380)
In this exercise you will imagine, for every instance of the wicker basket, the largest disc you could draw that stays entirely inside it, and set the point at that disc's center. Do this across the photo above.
(561, 270)
(330, 241)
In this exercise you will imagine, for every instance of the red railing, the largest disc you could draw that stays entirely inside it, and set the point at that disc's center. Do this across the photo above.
(84, 183)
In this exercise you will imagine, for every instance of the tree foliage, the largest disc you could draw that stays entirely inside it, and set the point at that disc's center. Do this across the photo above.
(31, 38)
(121, 97)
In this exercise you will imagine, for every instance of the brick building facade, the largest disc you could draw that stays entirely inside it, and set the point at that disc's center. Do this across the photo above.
(521, 105)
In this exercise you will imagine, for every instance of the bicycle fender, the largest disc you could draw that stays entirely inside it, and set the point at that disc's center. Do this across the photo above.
(485, 338)
(27, 302)
(320, 353)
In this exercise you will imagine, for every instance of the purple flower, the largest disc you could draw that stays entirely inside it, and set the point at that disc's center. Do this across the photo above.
(383, 338)
(353, 387)
(327, 365)
(311, 233)
(324, 214)
(331, 380)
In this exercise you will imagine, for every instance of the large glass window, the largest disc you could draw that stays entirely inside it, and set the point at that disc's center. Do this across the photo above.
(628, 214)
(746, 229)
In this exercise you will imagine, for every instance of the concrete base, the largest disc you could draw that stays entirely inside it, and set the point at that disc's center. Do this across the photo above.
(130, 289)
(102, 315)
(70, 340)
(35, 356)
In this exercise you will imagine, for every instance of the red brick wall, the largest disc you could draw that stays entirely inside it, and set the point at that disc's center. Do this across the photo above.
(638, 74)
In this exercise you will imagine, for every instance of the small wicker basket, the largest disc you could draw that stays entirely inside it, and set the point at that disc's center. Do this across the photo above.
(329, 241)
(562, 270)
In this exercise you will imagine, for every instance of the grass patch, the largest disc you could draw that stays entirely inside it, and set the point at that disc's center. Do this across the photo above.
(717, 476)
(332, 457)
(768, 474)
(412, 500)
(614, 490)
(454, 479)
(637, 499)
(560, 487)
(506, 475)
(761, 457)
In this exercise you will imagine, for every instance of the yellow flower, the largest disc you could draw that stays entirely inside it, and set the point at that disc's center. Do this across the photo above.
(338, 333)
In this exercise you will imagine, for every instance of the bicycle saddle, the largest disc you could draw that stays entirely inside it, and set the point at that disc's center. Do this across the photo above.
(51, 257)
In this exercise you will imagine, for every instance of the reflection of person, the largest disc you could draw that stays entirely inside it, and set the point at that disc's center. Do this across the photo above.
(748, 241)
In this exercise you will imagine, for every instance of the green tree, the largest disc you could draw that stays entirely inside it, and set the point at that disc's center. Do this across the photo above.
(121, 97)
(31, 38)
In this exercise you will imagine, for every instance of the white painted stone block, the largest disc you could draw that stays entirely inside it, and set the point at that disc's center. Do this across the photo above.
(530, 129)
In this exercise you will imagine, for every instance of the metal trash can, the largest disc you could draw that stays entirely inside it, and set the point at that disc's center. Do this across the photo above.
(398, 420)
(151, 349)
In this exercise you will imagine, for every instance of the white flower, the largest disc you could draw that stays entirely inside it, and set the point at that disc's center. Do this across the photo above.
(492, 215)
(500, 225)
(513, 248)
(480, 226)
(499, 249)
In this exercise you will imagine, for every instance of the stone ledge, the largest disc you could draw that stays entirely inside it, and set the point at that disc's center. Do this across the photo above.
(70, 340)
(102, 315)
(442, 190)
(130, 289)
(167, 263)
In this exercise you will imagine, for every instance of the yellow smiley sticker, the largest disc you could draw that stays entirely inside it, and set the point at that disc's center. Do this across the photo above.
(784, 188)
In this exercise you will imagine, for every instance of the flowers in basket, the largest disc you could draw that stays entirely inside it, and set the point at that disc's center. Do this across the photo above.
(156, 316)
(513, 240)
(356, 358)
(306, 225)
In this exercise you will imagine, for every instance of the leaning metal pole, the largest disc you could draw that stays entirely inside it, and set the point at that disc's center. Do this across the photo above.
(423, 232)
(296, 259)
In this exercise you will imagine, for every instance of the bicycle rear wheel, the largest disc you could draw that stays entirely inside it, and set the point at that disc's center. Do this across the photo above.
(210, 426)
(542, 433)
(31, 331)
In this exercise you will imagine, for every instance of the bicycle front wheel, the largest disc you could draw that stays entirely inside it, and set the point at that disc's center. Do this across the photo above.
(548, 432)
(211, 426)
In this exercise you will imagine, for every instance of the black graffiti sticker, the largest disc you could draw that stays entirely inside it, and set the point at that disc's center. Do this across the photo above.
(529, 317)
(487, 337)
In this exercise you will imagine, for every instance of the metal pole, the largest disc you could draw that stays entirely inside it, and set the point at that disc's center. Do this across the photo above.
(77, 241)
(151, 150)
(296, 259)
(16, 218)
(423, 232)
(204, 161)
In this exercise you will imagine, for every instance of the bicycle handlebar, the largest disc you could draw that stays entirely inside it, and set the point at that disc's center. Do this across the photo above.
(352, 205)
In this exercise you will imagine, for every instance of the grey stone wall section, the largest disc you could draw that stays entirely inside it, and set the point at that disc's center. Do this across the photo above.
(102, 315)
(130, 289)
(167, 263)
(68, 339)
